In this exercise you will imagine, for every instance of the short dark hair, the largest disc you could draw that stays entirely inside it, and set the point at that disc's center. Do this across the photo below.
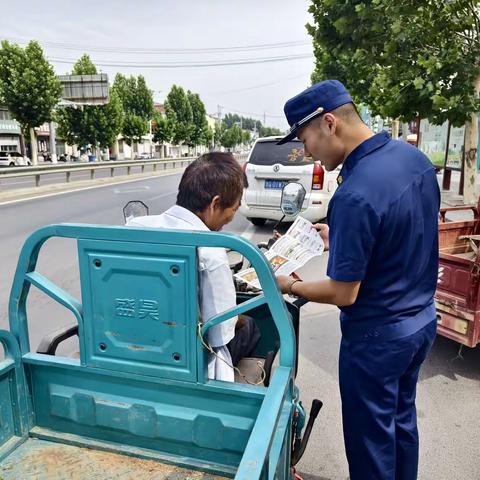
(212, 174)
(348, 113)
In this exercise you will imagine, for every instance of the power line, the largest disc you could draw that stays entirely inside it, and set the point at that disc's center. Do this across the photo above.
(261, 85)
(195, 64)
(252, 114)
(165, 51)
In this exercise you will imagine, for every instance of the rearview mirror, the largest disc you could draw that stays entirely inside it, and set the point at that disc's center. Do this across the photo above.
(134, 208)
(293, 195)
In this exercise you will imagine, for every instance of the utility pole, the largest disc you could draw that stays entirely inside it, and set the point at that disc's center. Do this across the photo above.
(264, 120)
(219, 126)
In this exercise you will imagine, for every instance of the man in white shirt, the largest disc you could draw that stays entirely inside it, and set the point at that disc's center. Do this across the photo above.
(209, 194)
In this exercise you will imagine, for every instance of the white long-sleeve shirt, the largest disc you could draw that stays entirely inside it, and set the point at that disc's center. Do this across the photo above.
(217, 290)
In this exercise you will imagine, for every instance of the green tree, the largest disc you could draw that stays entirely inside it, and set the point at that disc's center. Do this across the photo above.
(209, 137)
(162, 130)
(246, 137)
(137, 102)
(270, 131)
(199, 131)
(230, 119)
(179, 113)
(95, 125)
(405, 60)
(218, 134)
(231, 137)
(84, 66)
(246, 123)
(28, 87)
(134, 128)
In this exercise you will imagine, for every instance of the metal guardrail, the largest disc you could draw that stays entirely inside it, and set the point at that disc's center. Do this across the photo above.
(38, 171)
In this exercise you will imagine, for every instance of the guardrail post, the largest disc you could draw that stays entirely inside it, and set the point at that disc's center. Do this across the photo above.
(68, 176)
(165, 166)
(173, 164)
(143, 168)
(154, 167)
(37, 180)
(92, 174)
(111, 172)
(128, 170)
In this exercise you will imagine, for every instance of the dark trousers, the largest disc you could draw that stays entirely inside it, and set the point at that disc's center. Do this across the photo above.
(245, 340)
(378, 386)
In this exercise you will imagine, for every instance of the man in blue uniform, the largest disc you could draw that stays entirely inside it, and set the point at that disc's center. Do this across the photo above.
(382, 273)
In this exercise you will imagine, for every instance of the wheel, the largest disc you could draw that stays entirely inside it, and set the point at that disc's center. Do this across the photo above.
(258, 222)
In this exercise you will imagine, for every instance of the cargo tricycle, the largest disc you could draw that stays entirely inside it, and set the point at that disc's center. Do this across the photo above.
(137, 402)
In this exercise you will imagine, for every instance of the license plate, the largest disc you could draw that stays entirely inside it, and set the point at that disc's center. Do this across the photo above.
(275, 184)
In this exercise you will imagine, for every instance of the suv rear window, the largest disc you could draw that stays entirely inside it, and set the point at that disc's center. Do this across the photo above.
(269, 153)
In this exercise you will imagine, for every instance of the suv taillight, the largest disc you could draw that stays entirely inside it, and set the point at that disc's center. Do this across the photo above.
(318, 176)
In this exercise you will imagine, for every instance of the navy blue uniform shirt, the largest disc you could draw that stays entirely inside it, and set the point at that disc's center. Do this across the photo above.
(383, 222)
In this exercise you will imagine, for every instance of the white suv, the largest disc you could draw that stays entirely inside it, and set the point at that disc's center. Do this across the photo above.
(270, 167)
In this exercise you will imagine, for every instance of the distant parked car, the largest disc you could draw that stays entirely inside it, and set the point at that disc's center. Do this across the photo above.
(143, 156)
(13, 159)
(270, 167)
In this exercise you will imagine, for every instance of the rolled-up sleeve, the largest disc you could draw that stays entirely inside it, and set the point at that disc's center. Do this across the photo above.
(353, 231)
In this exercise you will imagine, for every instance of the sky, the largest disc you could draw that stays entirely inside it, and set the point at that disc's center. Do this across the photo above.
(132, 34)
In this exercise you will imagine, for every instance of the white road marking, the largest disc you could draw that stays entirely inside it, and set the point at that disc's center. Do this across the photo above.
(130, 190)
(163, 195)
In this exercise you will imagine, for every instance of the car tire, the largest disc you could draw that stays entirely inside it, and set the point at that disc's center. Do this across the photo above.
(258, 222)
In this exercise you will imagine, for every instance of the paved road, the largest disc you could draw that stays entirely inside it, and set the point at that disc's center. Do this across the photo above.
(449, 388)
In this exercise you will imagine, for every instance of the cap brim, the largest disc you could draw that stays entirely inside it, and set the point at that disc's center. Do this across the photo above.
(288, 137)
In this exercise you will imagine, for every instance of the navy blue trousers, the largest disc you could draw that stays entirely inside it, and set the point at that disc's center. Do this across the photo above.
(378, 386)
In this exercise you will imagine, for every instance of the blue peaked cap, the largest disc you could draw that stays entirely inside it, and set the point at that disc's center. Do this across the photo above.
(320, 98)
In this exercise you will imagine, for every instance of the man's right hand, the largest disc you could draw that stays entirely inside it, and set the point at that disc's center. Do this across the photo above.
(323, 229)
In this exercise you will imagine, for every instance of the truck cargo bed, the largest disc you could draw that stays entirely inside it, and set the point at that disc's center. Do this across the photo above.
(457, 296)
(44, 460)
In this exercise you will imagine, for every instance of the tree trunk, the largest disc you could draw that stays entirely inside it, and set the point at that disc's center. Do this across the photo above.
(405, 131)
(33, 144)
(116, 150)
(395, 129)
(471, 145)
(22, 144)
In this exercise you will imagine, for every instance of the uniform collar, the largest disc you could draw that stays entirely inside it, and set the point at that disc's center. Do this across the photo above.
(362, 150)
(186, 216)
